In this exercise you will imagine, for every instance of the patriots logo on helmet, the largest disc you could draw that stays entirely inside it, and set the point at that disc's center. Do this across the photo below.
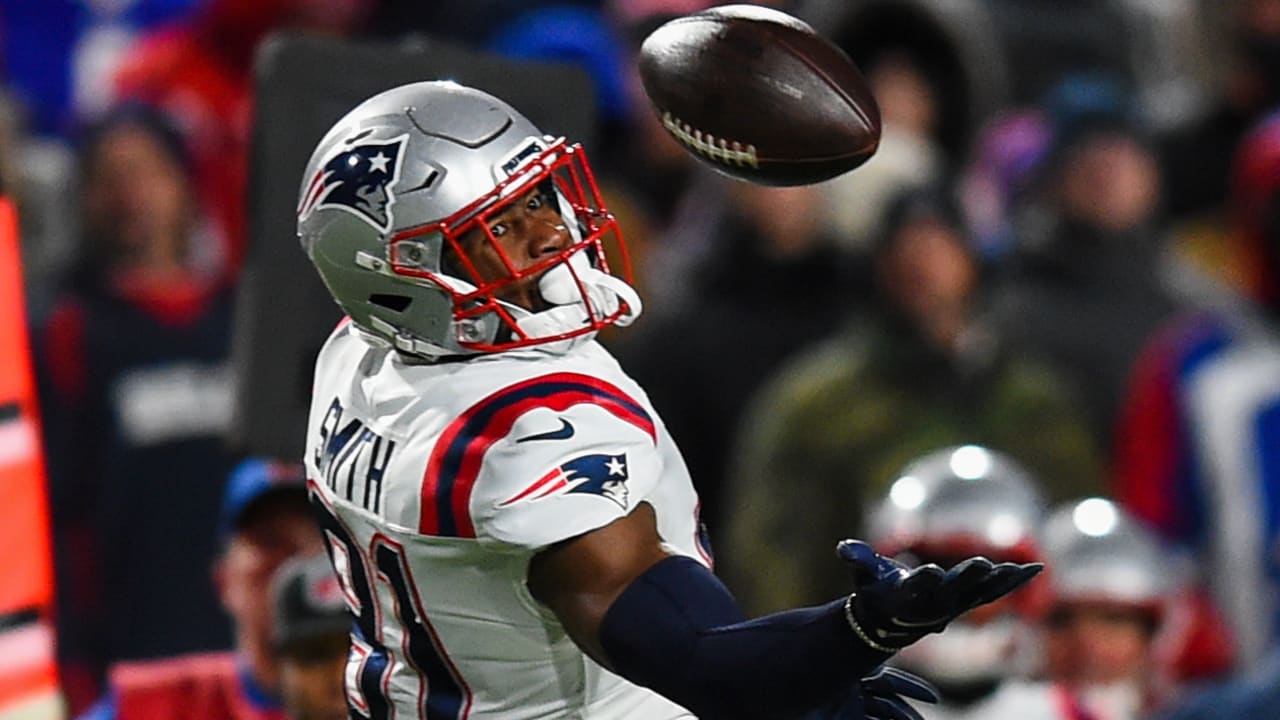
(359, 179)
(599, 474)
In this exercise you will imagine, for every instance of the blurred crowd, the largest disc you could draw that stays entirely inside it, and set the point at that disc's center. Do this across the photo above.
(1042, 322)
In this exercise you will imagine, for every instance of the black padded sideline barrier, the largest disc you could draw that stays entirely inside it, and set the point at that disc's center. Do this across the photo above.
(302, 86)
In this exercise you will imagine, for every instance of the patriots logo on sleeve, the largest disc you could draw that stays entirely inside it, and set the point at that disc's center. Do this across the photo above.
(599, 474)
(359, 179)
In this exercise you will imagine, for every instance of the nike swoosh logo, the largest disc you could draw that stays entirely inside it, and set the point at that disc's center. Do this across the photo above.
(565, 432)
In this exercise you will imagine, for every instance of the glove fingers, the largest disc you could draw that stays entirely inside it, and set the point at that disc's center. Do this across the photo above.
(923, 597)
(868, 566)
(884, 691)
(891, 679)
(1004, 579)
(923, 583)
(879, 708)
(963, 578)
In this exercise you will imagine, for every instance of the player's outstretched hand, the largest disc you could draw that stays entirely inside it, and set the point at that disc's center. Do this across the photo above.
(881, 696)
(892, 605)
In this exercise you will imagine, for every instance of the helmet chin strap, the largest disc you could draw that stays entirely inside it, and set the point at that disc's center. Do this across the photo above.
(606, 294)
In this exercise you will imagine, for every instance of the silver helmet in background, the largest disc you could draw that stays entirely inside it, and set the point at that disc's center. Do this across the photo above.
(960, 501)
(1119, 622)
(1098, 553)
(397, 183)
(943, 507)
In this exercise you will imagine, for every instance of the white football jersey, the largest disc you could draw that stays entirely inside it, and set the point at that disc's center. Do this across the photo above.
(1041, 700)
(437, 483)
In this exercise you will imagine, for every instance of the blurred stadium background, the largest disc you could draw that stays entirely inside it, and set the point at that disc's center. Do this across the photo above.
(1066, 250)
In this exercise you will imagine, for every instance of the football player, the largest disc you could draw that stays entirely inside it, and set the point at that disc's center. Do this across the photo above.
(1110, 632)
(513, 528)
(944, 506)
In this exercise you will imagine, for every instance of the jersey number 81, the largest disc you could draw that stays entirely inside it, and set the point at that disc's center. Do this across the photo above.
(441, 692)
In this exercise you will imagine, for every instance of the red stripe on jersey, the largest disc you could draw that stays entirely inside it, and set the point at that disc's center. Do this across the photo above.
(549, 478)
(457, 457)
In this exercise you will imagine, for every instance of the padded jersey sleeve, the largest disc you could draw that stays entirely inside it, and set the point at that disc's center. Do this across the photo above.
(541, 460)
(559, 474)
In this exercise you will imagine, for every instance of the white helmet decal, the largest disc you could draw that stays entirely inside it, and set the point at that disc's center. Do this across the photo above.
(359, 178)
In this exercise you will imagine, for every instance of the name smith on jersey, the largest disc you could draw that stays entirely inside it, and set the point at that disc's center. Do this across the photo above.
(352, 458)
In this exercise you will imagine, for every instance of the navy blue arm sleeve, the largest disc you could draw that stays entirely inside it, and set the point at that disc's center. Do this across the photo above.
(678, 630)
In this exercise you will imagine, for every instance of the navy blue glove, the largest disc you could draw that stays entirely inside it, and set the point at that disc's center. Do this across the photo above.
(881, 696)
(892, 605)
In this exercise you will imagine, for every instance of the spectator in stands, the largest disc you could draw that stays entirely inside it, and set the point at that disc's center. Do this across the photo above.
(829, 432)
(1043, 41)
(919, 77)
(1198, 156)
(264, 522)
(1111, 627)
(199, 72)
(59, 56)
(311, 638)
(1086, 282)
(1198, 449)
(136, 400)
(1242, 87)
(1003, 162)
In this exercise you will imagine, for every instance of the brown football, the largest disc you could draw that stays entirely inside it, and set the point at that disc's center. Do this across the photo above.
(759, 95)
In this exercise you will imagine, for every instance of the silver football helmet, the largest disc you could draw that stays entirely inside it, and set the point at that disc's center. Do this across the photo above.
(1096, 552)
(944, 507)
(960, 501)
(399, 183)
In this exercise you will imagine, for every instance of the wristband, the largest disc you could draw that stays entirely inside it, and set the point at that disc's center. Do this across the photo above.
(862, 634)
